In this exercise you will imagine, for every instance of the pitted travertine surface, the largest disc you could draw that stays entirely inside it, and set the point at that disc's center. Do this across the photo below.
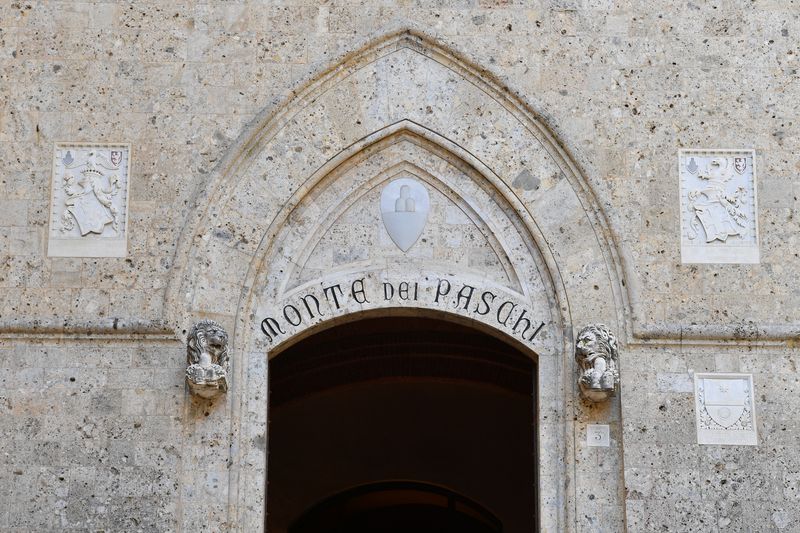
(97, 430)
(623, 86)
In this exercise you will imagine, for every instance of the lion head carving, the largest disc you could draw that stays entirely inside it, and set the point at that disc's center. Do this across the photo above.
(207, 357)
(597, 354)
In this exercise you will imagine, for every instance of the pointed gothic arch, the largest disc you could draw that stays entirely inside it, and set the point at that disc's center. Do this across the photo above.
(287, 173)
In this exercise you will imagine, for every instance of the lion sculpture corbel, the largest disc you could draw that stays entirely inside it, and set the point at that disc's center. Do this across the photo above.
(597, 356)
(207, 357)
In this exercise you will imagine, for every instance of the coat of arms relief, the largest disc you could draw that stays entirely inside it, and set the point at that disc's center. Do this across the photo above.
(89, 201)
(718, 199)
(724, 409)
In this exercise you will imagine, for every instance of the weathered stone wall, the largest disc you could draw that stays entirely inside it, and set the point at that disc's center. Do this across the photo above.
(91, 435)
(674, 484)
(623, 85)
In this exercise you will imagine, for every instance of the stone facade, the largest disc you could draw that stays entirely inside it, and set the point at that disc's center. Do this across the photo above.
(262, 135)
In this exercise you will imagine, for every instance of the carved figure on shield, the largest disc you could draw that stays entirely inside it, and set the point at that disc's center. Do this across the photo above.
(716, 210)
(89, 198)
(597, 355)
(207, 357)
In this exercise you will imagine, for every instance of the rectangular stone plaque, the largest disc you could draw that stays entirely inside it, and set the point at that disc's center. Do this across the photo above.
(718, 203)
(598, 435)
(724, 409)
(89, 200)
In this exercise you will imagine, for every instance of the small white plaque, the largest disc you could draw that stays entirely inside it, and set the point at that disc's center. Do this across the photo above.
(719, 216)
(724, 409)
(598, 435)
(89, 200)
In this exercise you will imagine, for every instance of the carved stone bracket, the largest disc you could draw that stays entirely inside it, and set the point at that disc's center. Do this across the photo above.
(598, 363)
(207, 359)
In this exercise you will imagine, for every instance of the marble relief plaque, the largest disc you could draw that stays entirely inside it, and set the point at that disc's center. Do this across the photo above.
(724, 409)
(719, 219)
(89, 200)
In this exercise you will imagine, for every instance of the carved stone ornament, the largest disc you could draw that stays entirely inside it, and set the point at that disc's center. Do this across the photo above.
(89, 200)
(719, 222)
(207, 357)
(724, 409)
(404, 208)
(597, 357)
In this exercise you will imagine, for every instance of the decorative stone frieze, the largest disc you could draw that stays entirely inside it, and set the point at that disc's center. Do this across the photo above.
(719, 222)
(89, 200)
(207, 357)
(724, 409)
(597, 356)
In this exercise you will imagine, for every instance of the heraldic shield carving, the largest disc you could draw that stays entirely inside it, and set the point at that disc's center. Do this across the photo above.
(724, 407)
(719, 222)
(404, 208)
(89, 201)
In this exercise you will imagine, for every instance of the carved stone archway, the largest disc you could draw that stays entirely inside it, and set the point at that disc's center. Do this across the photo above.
(291, 213)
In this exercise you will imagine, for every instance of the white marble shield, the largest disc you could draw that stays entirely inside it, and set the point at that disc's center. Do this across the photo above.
(725, 400)
(404, 208)
(91, 215)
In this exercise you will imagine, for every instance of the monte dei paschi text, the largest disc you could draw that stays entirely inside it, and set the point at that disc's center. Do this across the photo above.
(447, 294)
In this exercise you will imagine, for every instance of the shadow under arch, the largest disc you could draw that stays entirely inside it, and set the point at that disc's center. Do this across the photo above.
(389, 312)
(388, 501)
(445, 405)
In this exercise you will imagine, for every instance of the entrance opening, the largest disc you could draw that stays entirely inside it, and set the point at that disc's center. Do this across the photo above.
(397, 507)
(402, 424)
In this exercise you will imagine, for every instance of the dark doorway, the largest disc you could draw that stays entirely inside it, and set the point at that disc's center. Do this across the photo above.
(402, 424)
(397, 507)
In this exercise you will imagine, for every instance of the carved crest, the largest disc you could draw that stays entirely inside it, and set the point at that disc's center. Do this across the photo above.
(725, 401)
(717, 210)
(719, 220)
(89, 202)
(89, 195)
(740, 164)
(692, 166)
(404, 208)
(724, 409)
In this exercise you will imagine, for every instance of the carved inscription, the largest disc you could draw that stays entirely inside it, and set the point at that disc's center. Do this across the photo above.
(448, 294)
